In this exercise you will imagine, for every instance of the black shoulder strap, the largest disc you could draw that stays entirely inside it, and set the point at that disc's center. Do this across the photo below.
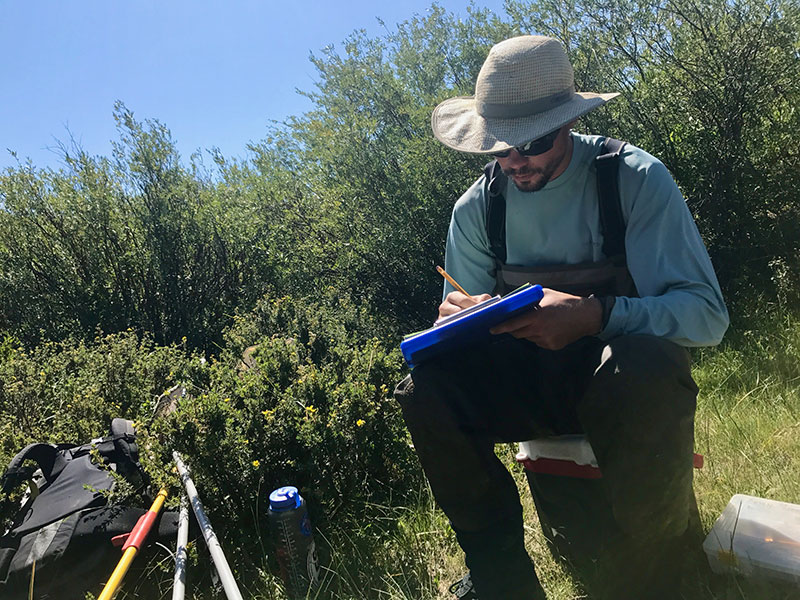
(494, 185)
(119, 448)
(46, 456)
(126, 451)
(612, 222)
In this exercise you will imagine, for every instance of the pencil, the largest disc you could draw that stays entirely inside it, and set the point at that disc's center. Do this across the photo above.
(452, 281)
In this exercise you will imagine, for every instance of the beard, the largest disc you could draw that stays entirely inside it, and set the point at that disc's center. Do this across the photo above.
(529, 179)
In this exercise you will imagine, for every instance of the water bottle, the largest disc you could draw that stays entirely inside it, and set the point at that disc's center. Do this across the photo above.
(294, 541)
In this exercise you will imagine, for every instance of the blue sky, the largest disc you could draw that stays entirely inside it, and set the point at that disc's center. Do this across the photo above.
(215, 73)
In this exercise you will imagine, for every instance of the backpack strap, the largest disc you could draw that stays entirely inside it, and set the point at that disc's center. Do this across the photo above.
(119, 448)
(48, 457)
(494, 185)
(126, 451)
(612, 223)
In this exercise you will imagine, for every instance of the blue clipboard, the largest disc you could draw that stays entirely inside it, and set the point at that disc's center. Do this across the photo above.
(469, 326)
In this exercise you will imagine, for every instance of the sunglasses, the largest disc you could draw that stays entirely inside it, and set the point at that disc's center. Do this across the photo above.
(532, 148)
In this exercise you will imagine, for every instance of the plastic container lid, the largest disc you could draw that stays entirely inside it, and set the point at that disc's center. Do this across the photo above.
(284, 498)
(756, 537)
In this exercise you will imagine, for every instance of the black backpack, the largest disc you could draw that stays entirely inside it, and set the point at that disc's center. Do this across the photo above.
(64, 522)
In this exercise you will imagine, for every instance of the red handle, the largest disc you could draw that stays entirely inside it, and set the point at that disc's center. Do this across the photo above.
(139, 533)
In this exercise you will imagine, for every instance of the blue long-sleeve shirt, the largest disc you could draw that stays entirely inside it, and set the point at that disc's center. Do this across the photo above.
(680, 299)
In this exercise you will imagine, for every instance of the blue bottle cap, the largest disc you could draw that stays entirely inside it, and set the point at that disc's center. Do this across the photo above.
(284, 498)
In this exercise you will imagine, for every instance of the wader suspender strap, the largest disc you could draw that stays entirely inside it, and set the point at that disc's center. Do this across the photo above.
(612, 222)
(496, 209)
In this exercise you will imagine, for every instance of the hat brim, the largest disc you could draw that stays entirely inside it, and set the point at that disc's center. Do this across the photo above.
(457, 124)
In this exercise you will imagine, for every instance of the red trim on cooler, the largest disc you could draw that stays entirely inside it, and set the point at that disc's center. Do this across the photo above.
(565, 468)
(568, 468)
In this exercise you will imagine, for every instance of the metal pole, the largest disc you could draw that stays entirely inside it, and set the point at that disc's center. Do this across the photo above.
(179, 584)
(224, 571)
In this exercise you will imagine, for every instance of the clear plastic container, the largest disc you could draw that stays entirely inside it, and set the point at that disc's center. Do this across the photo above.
(756, 537)
(294, 541)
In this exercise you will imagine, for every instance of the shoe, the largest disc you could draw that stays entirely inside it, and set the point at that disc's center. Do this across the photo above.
(463, 590)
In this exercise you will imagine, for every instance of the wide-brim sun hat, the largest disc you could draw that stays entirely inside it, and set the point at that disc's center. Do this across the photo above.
(525, 89)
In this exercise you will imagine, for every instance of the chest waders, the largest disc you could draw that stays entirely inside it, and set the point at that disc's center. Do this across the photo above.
(575, 515)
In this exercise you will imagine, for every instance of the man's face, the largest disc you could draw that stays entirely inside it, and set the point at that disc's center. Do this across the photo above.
(532, 173)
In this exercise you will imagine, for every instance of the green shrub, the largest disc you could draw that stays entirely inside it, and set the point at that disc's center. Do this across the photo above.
(69, 391)
(313, 410)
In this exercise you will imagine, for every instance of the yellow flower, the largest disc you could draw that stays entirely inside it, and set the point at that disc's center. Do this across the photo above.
(361, 423)
(384, 388)
(256, 464)
(227, 400)
(310, 410)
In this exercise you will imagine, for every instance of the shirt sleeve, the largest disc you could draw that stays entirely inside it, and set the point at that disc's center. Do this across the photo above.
(468, 259)
(680, 298)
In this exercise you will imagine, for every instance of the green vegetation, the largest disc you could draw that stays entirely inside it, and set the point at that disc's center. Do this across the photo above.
(123, 276)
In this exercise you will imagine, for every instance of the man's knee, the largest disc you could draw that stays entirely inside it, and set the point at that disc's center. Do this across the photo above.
(419, 394)
(434, 405)
(412, 409)
(644, 357)
(404, 391)
(639, 374)
(642, 388)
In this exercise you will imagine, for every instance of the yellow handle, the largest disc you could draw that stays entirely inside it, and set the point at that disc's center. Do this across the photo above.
(121, 569)
(115, 581)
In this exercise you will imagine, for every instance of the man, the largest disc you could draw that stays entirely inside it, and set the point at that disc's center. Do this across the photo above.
(601, 355)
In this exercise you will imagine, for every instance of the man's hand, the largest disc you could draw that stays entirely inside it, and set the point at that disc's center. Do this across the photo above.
(457, 301)
(560, 319)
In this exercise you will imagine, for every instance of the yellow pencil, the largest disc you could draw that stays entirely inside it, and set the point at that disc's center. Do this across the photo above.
(452, 281)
